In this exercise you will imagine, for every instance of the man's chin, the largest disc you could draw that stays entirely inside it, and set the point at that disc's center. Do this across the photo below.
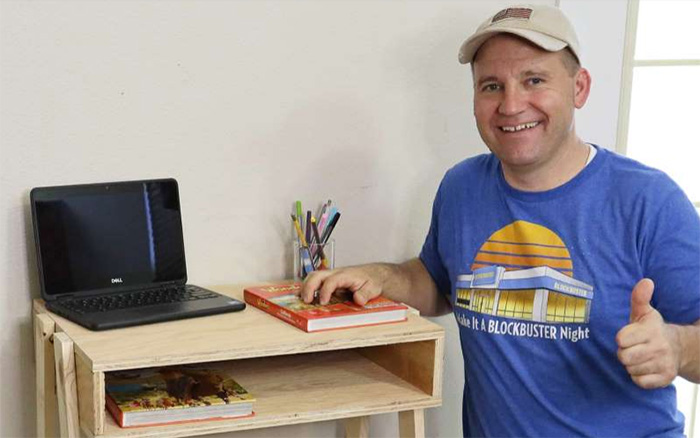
(515, 155)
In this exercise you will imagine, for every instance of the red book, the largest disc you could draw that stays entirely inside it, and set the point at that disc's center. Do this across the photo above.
(283, 302)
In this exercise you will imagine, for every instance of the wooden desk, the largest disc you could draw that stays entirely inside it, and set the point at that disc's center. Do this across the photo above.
(296, 377)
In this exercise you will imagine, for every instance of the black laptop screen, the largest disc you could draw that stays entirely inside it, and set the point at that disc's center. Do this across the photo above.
(102, 236)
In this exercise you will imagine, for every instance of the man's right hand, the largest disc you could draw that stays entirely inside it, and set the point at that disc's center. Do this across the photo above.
(408, 282)
(364, 281)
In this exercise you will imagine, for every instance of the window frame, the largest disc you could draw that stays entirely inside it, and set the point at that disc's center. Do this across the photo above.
(629, 64)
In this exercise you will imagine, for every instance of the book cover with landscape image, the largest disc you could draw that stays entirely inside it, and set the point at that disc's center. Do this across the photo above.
(154, 396)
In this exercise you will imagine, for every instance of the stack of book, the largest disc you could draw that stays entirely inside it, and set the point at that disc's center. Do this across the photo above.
(155, 396)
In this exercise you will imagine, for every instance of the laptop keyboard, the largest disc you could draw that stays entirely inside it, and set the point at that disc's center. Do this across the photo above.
(142, 298)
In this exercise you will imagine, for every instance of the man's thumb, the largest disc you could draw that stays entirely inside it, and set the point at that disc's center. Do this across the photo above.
(640, 302)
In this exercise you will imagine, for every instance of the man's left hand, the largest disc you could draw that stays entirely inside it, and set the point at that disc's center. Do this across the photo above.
(648, 347)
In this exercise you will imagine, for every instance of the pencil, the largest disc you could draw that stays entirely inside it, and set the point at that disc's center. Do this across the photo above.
(300, 234)
(305, 254)
(299, 216)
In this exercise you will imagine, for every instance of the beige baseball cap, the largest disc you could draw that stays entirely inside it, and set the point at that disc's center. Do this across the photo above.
(545, 26)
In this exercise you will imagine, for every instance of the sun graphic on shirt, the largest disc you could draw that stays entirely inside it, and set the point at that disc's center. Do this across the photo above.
(525, 271)
(522, 245)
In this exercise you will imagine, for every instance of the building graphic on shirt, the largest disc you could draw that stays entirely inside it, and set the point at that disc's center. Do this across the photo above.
(524, 271)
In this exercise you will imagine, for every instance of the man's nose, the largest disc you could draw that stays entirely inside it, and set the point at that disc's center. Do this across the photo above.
(513, 102)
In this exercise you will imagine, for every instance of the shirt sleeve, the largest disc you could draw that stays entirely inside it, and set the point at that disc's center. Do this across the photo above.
(671, 258)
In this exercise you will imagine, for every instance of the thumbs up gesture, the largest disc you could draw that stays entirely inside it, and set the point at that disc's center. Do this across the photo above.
(648, 347)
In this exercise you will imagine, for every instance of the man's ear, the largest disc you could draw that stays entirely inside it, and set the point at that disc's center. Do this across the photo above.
(582, 83)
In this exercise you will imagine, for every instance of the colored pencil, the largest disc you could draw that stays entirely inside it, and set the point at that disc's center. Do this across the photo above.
(305, 254)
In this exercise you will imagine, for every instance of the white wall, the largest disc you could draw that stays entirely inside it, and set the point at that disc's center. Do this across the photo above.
(600, 26)
(250, 105)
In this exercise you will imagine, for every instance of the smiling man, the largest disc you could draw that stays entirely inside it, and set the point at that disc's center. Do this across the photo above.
(524, 107)
(573, 272)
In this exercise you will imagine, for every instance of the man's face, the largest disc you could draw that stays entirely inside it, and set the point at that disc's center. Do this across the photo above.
(524, 101)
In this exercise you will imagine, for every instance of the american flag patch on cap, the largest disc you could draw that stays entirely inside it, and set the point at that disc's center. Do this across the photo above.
(523, 13)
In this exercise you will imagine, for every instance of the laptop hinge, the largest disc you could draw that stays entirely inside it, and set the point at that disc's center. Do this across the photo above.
(65, 297)
(172, 283)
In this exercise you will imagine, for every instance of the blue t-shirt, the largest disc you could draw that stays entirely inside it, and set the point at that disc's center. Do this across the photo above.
(543, 361)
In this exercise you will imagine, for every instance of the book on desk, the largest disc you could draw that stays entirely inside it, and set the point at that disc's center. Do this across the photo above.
(156, 396)
(283, 302)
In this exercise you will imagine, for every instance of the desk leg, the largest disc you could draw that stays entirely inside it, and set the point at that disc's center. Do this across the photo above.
(412, 424)
(66, 388)
(46, 403)
(357, 427)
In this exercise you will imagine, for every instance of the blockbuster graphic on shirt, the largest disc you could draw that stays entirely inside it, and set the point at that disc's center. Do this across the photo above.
(524, 275)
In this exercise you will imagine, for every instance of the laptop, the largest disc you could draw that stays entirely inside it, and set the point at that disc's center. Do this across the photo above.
(112, 255)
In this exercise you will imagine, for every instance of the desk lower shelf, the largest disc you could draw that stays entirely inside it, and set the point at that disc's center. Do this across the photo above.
(296, 377)
(300, 389)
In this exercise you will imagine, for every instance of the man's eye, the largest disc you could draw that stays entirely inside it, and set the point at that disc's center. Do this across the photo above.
(490, 87)
(536, 81)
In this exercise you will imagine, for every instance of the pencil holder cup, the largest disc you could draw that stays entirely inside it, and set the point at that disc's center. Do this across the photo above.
(315, 257)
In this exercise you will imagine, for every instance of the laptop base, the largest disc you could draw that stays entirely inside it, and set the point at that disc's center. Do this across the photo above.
(148, 314)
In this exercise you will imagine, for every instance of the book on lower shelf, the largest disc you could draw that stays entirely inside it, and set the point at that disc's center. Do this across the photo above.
(283, 301)
(156, 396)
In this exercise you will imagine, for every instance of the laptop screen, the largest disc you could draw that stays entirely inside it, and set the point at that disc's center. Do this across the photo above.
(108, 236)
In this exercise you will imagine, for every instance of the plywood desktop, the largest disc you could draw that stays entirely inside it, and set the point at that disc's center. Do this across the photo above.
(296, 377)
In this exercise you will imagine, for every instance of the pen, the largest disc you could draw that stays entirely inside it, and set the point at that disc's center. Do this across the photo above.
(322, 220)
(331, 214)
(308, 226)
(325, 218)
(319, 245)
(325, 236)
(304, 250)
(329, 229)
(322, 210)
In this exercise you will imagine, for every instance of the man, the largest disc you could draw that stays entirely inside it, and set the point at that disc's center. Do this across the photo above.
(574, 273)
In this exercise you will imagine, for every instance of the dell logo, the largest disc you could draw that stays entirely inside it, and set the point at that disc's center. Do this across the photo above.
(117, 280)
